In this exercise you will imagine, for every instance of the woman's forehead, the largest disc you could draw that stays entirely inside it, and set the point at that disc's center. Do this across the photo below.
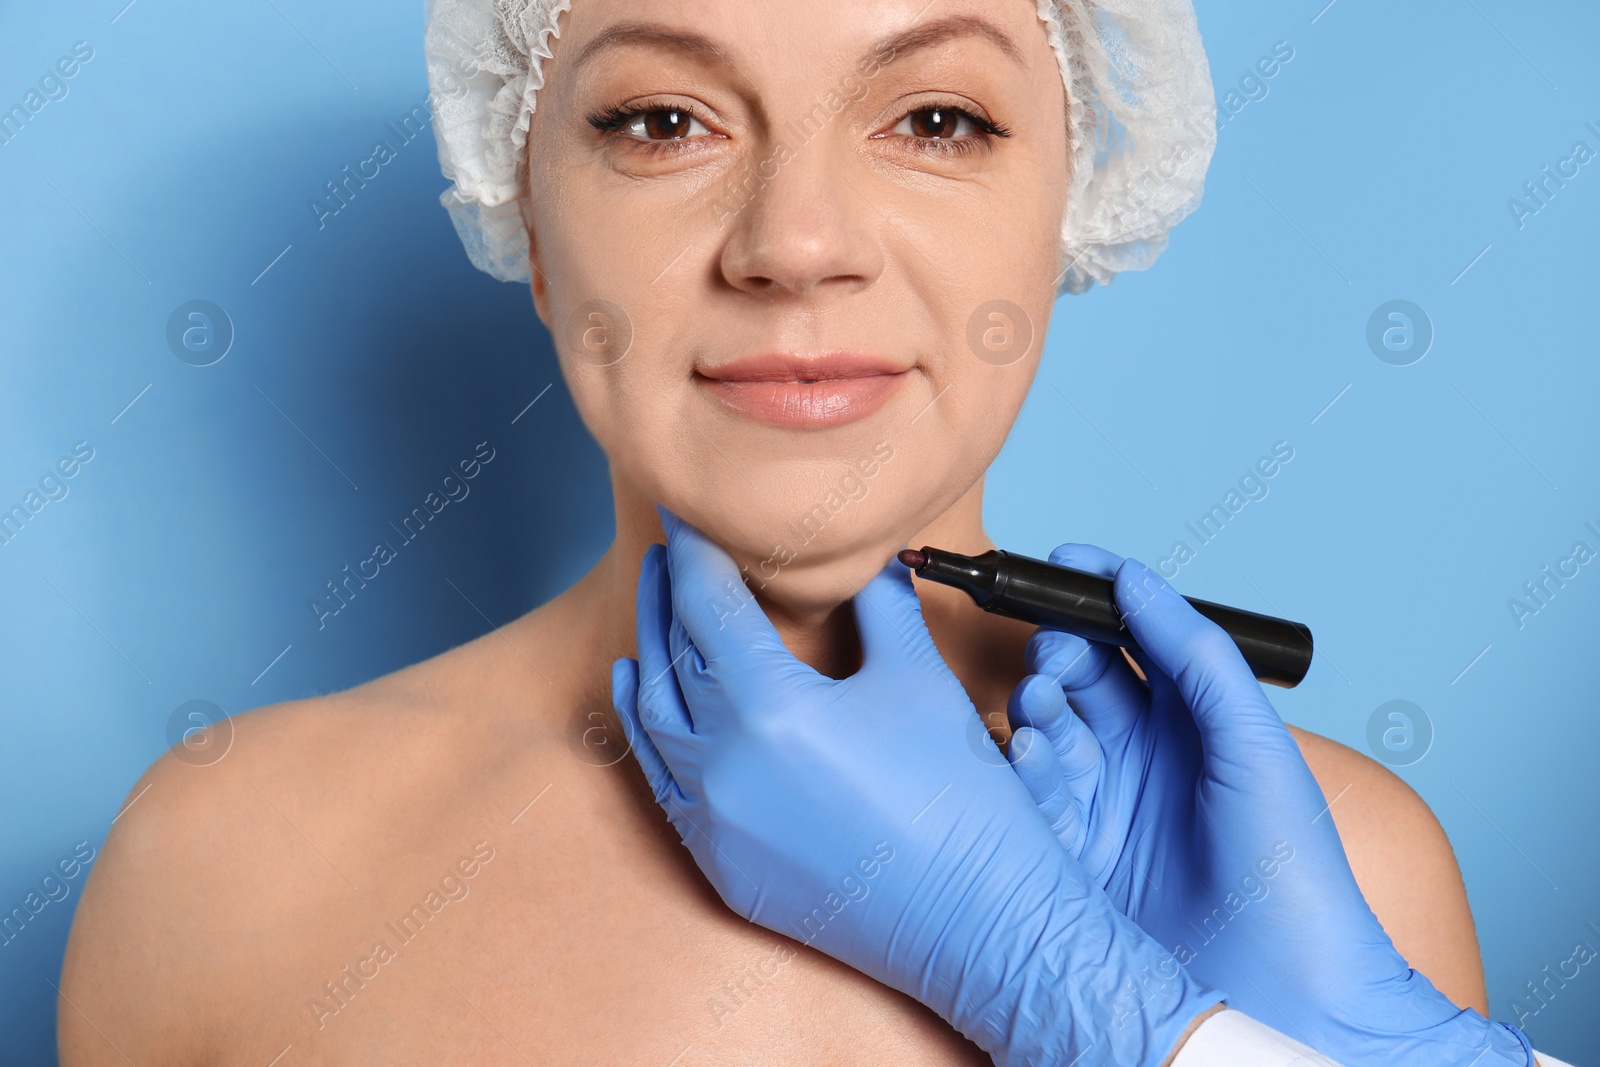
(753, 36)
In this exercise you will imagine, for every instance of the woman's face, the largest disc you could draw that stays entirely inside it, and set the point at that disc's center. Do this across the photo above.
(857, 202)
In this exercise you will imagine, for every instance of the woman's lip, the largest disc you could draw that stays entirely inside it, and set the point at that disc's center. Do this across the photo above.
(803, 367)
(806, 405)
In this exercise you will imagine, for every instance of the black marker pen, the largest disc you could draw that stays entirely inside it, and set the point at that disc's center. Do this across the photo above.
(1277, 651)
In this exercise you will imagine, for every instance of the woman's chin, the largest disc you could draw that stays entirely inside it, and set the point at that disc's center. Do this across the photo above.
(810, 587)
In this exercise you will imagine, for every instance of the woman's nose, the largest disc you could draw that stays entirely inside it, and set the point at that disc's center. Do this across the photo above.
(800, 224)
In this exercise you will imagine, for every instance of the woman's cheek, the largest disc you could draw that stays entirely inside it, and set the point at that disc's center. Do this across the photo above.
(602, 399)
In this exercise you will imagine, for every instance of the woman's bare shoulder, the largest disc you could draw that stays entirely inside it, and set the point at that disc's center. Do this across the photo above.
(270, 825)
(1404, 864)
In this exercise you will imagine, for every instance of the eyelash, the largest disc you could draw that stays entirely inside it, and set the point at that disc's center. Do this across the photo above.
(611, 121)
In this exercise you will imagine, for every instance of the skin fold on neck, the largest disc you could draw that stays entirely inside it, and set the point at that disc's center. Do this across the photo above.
(823, 636)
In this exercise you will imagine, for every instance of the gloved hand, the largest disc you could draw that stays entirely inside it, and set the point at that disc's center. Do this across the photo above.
(853, 815)
(1188, 800)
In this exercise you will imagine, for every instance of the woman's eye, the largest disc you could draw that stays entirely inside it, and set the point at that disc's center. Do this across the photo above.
(948, 129)
(651, 126)
(937, 122)
(666, 124)
(940, 129)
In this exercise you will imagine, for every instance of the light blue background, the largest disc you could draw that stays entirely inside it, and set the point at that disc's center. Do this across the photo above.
(1378, 166)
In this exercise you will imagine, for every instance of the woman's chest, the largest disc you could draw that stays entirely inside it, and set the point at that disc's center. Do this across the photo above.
(588, 937)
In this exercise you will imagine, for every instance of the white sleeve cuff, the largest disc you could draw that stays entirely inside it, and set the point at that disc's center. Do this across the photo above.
(1547, 1061)
(1233, 1039)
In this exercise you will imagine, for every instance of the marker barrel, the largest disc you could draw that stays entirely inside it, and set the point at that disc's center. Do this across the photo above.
(1277, 651)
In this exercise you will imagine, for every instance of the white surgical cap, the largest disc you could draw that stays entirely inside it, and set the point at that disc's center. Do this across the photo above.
(1141, 119)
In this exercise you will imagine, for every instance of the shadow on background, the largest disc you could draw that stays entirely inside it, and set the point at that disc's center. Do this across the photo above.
(365, 365)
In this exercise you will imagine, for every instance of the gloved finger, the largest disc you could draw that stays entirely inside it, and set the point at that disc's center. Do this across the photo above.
(686, 658)
(1091, 558)
(1038, 702)
(716, 626)
(1163, 690)
(1201, 660)
(709, 596)
(1035, 761)
(625, 699)
(1095, 677)
(660, 707)
(890, 623)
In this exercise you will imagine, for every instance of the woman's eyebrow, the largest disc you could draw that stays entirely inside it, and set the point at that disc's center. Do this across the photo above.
(698, 46)
(939, 31)
(689, 43)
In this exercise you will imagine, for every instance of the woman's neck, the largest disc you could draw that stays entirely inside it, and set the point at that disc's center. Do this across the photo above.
(821, 635)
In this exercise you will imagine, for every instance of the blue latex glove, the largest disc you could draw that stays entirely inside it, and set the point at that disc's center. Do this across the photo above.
(855, 816)
(1188, 800)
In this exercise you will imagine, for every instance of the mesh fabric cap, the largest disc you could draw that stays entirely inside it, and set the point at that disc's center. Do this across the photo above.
(1141, 119)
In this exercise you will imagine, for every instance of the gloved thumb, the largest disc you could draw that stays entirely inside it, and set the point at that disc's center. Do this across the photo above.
(717, 633)
(890, 623)
(625, 701)
(709, 598)
(1204, 665)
